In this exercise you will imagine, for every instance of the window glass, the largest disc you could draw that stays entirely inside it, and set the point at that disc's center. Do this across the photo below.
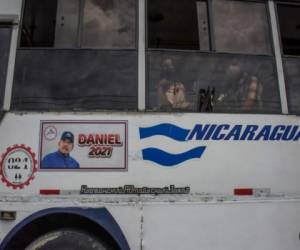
(79, 23)
(198, 82)
(289, 22)
(241, 27)
(38, 27)
(178, 24)
(109, 24)
(292, 79)
(50, 23)
(75, 80)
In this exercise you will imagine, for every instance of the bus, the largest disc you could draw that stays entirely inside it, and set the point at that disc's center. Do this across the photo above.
(149, 124)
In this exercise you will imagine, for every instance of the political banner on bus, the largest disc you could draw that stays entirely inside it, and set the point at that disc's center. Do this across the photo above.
(83, 145)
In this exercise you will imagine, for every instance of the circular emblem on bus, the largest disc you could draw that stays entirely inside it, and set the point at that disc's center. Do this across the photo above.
(50, 133)
(18, 166)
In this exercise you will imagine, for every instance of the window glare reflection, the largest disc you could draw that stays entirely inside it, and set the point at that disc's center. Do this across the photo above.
(109, 24)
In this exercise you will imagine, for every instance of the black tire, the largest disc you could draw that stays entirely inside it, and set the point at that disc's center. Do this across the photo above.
(68, 239)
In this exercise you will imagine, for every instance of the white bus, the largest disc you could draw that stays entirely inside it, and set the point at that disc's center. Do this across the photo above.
(149, 124)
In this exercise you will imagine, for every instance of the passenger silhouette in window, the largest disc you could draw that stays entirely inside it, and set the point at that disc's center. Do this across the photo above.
(242, 88)
(171, 91)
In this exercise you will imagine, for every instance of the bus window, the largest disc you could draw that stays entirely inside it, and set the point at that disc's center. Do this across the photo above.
(196, 82)
(241, 27)
(93, 60)
(289, 23)
(109, 24)
(79, 23)
(292, 80)
(50, 23)
(229, 66)
(177, 24)
(238, 26)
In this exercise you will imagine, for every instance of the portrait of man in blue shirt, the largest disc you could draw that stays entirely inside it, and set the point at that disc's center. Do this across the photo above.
(61, 159)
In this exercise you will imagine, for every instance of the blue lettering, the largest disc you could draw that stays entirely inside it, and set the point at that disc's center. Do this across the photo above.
(235, 133)
(276, 135)
(199, 131)
(210, 131)
(249, 132)
(289, 134)
(297, 136)
(217, 134)
(264, 133)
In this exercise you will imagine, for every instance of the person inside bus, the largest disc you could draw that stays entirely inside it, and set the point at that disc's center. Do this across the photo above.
(242, 88)
(171, 92)
(61, 159)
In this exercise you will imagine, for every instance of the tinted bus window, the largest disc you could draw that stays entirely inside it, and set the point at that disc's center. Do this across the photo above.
(39, 22)
(289, 22)
(233, 26)
(292, 80)
(93, 60)
(75, 80)
(239, 78)
(241, 27)
(203, 82)
(109, 24)
(177, 24)
(79, 23)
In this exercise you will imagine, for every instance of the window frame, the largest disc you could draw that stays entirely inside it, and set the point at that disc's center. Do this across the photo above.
(80, 32)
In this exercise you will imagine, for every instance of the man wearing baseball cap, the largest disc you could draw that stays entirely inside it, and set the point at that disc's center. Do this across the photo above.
(61, 159)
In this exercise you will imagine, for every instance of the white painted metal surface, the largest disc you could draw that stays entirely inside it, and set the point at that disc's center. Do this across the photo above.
(247, 226)
(223, 166)
(210, 218)
(185, 222)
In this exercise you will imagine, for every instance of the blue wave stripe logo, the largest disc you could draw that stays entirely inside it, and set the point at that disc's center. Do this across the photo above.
(165, 129)
(166, 159)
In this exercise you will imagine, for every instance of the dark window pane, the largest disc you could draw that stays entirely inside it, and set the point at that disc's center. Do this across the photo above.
(198, 82)
(5, 37)
(241, 27)
(292, 78)
(289, 21)
(109, 24)
(178, 24)
(38, 27)
(75, 80)
(50, 23)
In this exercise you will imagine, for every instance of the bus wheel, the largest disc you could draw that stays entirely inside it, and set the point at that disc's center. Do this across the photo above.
(68, 239)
